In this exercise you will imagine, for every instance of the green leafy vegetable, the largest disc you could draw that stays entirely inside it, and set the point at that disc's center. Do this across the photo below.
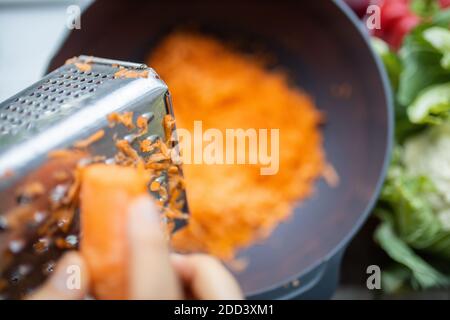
(421, 56)
(441, 18)
(421, 66)
(425, 8)
(421, 275)
(432, 105)
(410, 226)
(396, 276)
(439, 38)
(414, 206)
(415, 221)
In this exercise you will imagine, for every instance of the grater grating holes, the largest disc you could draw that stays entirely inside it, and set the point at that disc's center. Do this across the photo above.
(49, 97)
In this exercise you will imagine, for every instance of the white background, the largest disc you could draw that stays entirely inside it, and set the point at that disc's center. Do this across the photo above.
(31, 31)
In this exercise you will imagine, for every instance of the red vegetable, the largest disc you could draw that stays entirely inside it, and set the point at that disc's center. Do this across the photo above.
(402, 27)
(397, 19)
(444, 3)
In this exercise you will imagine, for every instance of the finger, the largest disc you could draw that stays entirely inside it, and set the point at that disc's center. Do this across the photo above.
(69, 281)
(206, 277)
(151, 273)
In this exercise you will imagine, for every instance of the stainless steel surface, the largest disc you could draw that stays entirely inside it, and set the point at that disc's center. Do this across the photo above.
(68, 105)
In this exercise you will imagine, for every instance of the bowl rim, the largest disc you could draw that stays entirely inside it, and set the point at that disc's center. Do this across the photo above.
(342, 244)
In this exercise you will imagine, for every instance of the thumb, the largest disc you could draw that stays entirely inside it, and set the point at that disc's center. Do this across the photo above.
(68, 282)
(151, 273)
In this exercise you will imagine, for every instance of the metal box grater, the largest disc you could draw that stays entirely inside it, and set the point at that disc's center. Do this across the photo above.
(68, 105)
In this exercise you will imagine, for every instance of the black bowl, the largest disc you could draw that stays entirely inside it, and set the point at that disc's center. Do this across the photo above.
(326, 52)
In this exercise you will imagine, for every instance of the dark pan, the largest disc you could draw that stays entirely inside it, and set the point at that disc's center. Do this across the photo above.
(326, 53)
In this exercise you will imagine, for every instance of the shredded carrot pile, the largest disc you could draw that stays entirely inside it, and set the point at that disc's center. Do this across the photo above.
(233, 205)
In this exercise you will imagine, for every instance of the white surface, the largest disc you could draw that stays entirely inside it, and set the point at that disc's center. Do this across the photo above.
(30, 33)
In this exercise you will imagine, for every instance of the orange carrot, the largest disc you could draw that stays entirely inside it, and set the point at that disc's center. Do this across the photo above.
(106, 193)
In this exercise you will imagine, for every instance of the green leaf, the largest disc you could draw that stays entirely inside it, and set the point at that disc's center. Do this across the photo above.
(422, 61)
(414, 218)
(423, 275)
(432, 106)
(441, 18)
(395, 277)
(439, 38)
(421, 66)
(425, 8)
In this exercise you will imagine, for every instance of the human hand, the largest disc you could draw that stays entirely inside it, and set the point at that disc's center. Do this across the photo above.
(174, 276)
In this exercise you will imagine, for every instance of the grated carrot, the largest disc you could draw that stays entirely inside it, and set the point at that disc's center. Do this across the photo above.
(126, 73)
(85, 67)
(125, 118)
(232, 206)
(89, 140)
